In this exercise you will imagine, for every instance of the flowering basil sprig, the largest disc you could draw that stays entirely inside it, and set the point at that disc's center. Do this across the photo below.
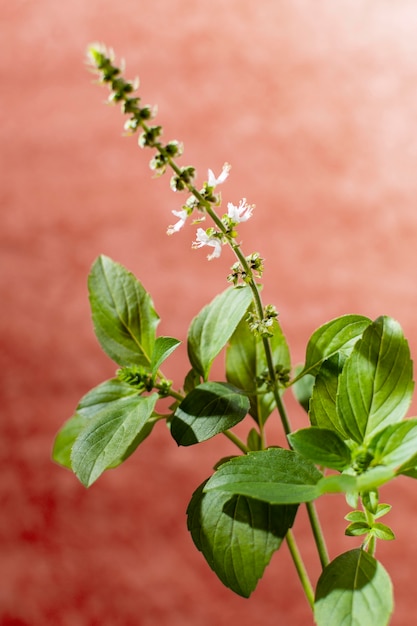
(356, 386)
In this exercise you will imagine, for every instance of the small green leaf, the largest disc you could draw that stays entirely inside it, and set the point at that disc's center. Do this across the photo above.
(356, 529)
(275, 475)
(61, 451)
(338, 335)
(381, 531)
(356, 516)
(355, 589)
(212, 328)
(237, 535)
(246, 363)
(254, 440)
(322, 446)
(382, 509)
(192, 380)
(210, 409)
(108, 436)
(375, 386)
(163, 347)
(123, 314)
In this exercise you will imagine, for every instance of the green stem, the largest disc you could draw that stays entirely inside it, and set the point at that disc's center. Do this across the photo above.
(238, 442)
(300, 567)
(318, 534)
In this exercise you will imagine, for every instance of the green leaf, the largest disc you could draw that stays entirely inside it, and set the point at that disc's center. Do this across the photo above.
(375, 387)
(323, 411)
(246, 362)
(212, 328)
(356, 516)
(209, 409)
(382, 531)
(104, 396)
(108, 436)
(237, 535)
(354, 590)
(382, 509)
(322, 446)
(61, 451)
(356, 529)
(395, 445)
(123, 314)
(163, 347)
(338, 335)
(303, 388)
(275, 475)
(347, 483)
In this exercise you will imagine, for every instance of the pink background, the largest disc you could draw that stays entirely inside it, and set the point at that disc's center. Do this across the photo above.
(315, 106)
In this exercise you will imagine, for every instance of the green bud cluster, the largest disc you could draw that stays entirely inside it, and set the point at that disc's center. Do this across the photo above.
(255, 264)
(137, 377)
(262, 327)
(282, 375)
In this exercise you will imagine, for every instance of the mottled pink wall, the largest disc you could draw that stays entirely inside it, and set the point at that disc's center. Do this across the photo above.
(315, 106)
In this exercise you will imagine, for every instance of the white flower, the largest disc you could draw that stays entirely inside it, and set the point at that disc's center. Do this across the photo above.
(183, 214)
(213, 181)
(203, 239)
(240, 213)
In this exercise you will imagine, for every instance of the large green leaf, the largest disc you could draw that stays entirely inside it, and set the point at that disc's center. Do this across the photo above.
(105, 395)
(108, 436)
(64, 440)
(375, 387)
(275, 475)
(280, 476)
(237, 535)
(354, 590)
(212, 328)
(323, 411)
(321, 446)
(246, 362)
(123, 314)
(209, 409)
(339, 334)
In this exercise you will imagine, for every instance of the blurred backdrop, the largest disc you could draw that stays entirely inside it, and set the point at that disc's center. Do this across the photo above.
(315, 106)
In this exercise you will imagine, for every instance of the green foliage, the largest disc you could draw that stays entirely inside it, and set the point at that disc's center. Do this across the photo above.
(246, 366)
(212, 328)
(209, 409)
(275, 475)
(123, 314)
(354, 590)
(376, 385)
(237, 535)
(337, 336)
(322, 446)
(106, 438)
